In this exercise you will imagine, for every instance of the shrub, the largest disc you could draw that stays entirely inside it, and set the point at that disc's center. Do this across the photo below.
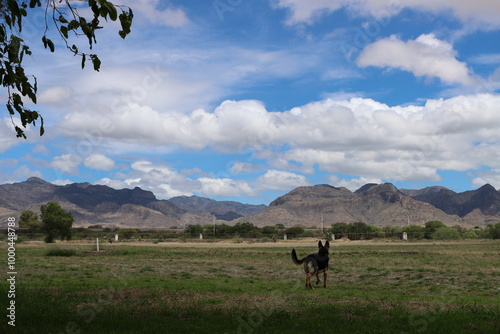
(375, 232)
(128, 233)
(94, 226)
(471, 235)
(431, 227)
(493, 231)
(293, 232)
(446, 233)
(414, 231)
(393, 231)
(61, 252)
(339, 230)
(194, 230)
(306, 234)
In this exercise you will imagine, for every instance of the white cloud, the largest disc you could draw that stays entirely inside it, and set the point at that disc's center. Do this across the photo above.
(157, 177)
(99, 161)
(482, 13)
(41, 148)
(152, 176)
(307, 11)
(491, 176)
(148, 10)
(232, 126)
(61, 182)
(167, 191)
(281, 180)
(224, 187)
(116, 184)
(24, 172)
(7, 134)
(54, 95)
(486, 59)
(358, 136)
(354, 184)
(66, 163)
(425, 56)
(239, 167)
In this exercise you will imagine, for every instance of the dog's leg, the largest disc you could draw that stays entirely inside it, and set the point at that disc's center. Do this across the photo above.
(317, 279)
(308, 280)
(324, 280)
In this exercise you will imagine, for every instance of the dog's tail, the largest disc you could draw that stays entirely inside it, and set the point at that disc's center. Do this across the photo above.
(294, 258)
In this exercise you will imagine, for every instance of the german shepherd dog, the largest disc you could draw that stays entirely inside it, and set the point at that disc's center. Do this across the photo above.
(314, 264)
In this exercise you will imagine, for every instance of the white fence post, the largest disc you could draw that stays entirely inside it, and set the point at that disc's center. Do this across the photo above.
(405, 236)
(97, 240)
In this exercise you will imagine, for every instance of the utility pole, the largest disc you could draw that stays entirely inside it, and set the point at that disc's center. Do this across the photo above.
(322, 224)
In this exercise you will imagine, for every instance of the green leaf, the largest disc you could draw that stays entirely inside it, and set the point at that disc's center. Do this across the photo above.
(94, 7)
(113, 14)
(126, 23)
(34, 3)
(48, 43)
(96, 62)
(64, 31)
(103, 11)
(73, 25)
(51, 45)
(9, 108)
(62, 19)
(42, 130)
(20, 132)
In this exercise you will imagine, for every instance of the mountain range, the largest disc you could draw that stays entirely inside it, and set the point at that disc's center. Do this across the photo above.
(319, 205)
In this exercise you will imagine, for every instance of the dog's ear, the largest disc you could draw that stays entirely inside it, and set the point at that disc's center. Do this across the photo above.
(327, 245)
(320, 245)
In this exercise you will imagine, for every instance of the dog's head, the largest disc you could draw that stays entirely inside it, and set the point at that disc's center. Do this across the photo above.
(323, 250)
(327, 245)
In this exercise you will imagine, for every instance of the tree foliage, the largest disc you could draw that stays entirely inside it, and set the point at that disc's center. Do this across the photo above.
(68, 22)
(446, 233)
(493, 231)
(355, 231)
(293, 232)
(414, 231)
(194, 230)
(56, 222)
(29, 219)
(431, 227)
(128, 233)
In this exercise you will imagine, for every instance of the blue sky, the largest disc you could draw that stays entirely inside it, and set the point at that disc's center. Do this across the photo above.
(246, 100)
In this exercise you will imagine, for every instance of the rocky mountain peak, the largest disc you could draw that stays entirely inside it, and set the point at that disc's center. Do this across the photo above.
(487, 189)
(381, 188)
(365, 188)
(387, 191)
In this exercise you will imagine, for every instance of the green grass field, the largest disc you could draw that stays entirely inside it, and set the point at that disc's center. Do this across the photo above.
(254, 288)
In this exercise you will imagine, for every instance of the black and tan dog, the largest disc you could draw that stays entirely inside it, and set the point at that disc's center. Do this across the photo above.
(314, 264)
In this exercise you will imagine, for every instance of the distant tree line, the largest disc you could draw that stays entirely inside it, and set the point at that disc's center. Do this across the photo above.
(246, 230)
(432, 230)
(353, 231)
